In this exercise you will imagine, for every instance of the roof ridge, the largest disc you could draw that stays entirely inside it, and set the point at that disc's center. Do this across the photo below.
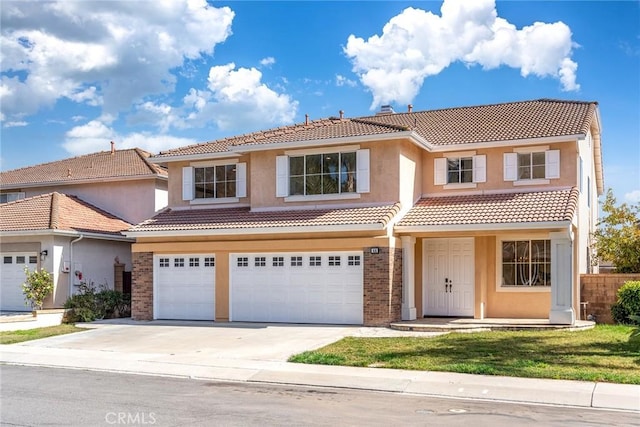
(54, 212)
(387, 125)
(145, 155)
(66, 159)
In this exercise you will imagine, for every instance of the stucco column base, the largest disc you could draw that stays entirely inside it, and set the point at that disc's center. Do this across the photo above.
(409, 313)
(562, 317)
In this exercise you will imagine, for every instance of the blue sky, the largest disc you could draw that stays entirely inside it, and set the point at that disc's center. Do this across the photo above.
(160, 74)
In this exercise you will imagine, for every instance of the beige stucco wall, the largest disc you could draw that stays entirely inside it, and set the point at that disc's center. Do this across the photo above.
(495, 169)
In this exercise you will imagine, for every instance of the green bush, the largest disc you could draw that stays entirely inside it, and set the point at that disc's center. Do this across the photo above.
(38, 285)
(91, 304)
(627, 304)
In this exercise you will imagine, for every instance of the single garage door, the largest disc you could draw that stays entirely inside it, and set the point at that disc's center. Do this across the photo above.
(12, 277)
(184, 287)
(321, 287)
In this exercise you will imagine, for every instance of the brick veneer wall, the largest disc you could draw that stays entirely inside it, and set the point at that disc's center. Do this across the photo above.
(600, 290)
(382, 286)
(142, 286)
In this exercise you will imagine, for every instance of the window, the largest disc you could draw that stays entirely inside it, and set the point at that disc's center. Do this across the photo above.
(8, 260)
(178, 262)
(10, 197)
(330, 173)
(33, 259)
(526, 263)
(334, 261)
(467, 168)
(164, 262)
(20, 259)
(312, 173)
(296, 261)
(278, 261)
(209, 262)
(260, 261)
(209, 183)
(531, 164)
(243, 261)
(353, 260)
(194, 262)
(315, 261)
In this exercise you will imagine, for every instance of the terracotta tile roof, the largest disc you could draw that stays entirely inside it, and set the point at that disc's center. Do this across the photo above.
(484, 123)
(244, 218)
(99, 166)
(504, 208)
(55, 211)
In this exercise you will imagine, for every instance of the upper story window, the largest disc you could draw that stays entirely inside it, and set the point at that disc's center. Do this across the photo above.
(322, 174)
(464, 170)
(10, 197)
(533, 165)
(217, 182)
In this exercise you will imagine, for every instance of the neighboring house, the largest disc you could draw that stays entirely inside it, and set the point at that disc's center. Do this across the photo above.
(481, 211)
(123, 182)
(72, 239)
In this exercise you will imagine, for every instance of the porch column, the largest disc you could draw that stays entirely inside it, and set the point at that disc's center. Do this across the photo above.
(408, 278)
(561, 279)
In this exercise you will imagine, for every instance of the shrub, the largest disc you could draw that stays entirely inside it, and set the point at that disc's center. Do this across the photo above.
(627, 304)
(91, 304)
(38, 286)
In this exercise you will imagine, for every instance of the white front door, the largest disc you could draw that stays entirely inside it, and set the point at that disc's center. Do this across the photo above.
(12, 277)
(448, 277)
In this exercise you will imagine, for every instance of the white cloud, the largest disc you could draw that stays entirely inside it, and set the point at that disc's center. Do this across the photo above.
(343, 81)
(268, 61)
(96, 135)
(417, 44)
(101, 53)
(632, 196)
(14, 124)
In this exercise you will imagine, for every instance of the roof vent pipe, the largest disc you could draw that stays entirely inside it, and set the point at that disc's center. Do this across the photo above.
(409, 108)
(113, 147)
(306, 119)
(341, 114)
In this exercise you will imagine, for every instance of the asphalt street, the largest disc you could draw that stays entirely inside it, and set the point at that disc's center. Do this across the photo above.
(36, 396)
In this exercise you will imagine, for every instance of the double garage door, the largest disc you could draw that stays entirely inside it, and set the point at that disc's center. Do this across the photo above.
(12, 277)
(324, 287)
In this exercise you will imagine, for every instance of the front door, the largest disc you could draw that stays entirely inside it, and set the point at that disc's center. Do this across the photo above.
(448, 277)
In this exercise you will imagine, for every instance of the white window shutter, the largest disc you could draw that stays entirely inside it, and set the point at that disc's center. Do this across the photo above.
(552, 164)
(440, 171)
(480, 168)
(241, 180)
(282, 176)
(187, 183)
(362, 171)
(510, 166)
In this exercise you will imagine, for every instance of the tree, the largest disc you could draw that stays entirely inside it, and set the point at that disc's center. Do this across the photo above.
(617, 238)
(37, 287)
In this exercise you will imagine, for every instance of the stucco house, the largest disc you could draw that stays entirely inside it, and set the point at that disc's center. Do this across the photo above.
(66, 216)
(72, 239)
(481, 211)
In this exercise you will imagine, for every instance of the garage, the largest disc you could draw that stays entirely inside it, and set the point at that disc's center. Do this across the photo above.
(12, 275)
(324, 287)
(184, 287)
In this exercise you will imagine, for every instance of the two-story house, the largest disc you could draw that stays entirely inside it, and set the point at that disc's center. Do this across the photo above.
(67, 216)
(481, 211)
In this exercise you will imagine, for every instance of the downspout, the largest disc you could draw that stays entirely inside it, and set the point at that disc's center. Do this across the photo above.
(71, 274)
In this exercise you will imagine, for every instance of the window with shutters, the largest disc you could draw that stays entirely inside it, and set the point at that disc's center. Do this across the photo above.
(531, 165)
(217, 182)
(463, 170)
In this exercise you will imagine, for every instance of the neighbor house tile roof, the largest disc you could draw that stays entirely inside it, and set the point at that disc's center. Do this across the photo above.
(503, 208)
(130, 163)
(244, 218)
(444, 127)
(55, 211)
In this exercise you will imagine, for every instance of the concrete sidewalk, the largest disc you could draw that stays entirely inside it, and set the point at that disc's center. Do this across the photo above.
(200, 365)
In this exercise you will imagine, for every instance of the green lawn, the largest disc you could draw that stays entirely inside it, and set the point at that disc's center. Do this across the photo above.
(12, 337)
(601, 354)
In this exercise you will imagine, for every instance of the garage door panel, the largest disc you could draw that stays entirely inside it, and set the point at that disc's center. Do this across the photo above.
(297, 287)
(12, 277)
(185, 287)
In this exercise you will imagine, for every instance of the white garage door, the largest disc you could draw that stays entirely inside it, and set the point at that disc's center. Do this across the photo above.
(308, 287)
(12, 277)
(184, 287)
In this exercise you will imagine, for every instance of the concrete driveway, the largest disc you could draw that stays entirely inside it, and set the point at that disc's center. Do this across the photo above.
(193, 341)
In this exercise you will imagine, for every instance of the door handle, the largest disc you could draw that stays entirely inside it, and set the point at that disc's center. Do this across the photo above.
(446, 285)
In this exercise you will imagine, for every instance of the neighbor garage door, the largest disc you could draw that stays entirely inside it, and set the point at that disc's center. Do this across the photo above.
(184, 287)
(12, 277)
(297, 287)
